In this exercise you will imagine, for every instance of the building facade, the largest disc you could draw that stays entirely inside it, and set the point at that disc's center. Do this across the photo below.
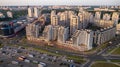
(104, 35)
(36, 12)
(74, 24)
(63, 34)
(83, 38)
(115, 17)
(54, 20)
(30, 12)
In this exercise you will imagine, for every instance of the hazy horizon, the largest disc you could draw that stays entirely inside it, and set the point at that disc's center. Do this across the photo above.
(58, 2)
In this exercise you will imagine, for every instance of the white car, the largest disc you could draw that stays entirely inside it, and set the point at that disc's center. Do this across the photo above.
(44, 64)
(26, 60)
(30, 55)
(35, 61)
(14, 62)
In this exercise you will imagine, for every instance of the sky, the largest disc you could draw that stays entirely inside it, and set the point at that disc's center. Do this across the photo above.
(58, 2)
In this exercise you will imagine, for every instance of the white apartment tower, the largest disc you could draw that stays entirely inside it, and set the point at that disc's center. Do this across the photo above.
(84, 18)
(103, 35)
(33, 12)
(36, 12)
(32, 31)
(63, 34)
(55, 32)
(83, 38)
(115, 17)
(104, 23)
(74, 24)
(47, 33)
(53, 13)
(50, 33)
(54, 20)
(97, 15)
(70, 14)
(30, 12)
(106, 17)
(64, 18)
(91, 18)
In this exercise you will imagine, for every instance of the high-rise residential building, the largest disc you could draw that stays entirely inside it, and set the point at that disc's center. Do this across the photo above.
(80, 14)
(81, 9)
(10, 14)
(50, 33)
(83, 38)
(69, 29)
(47, 33)
(33, 30)
(63, 34)
(59, 33)
(70, 14)
(53, 13)
(54, 20)
(36, 12)
(28, 31)
(84, 18)
(98, 15)
(115, 17)
(64, 19)
(91, 18)
(118, 28)
(33, 12)
(74, 24)
(106, 16)
(104, 35)
(2, 15)
(55, 32)
(104, 23)
(30, 12)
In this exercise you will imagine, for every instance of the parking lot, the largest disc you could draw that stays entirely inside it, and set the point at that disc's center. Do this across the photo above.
(12, 56)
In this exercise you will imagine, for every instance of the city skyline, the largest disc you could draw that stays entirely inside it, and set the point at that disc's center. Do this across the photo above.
(58, 2)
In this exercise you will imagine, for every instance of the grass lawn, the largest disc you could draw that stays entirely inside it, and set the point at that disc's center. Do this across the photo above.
(110, 50)
(76, 59)
(1, 45)
(116, 52)
(102, 64)
(102, 46)
(47, 52)
(115, 60)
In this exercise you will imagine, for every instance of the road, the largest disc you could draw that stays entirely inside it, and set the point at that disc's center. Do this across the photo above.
(99, 56)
